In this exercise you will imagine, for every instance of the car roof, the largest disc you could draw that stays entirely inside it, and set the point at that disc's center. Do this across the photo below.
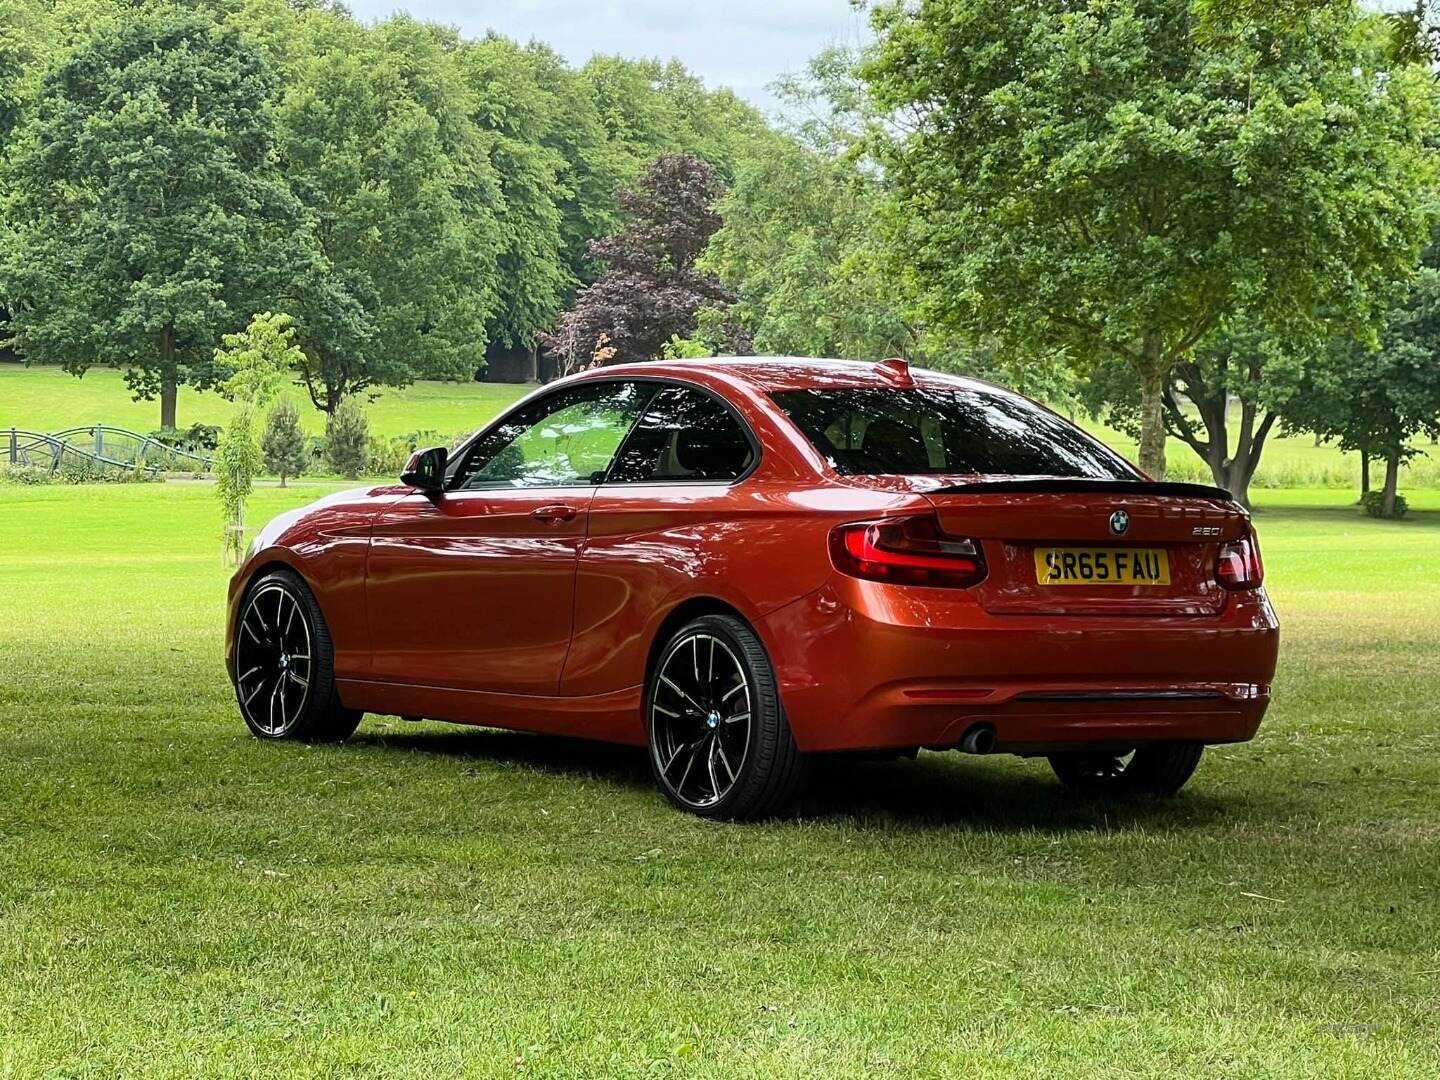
(771, 373)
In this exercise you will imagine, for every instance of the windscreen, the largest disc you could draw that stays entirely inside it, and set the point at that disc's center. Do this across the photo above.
(907, 432)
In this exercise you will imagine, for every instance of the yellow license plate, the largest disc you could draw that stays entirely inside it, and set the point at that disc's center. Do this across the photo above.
(1102, 566)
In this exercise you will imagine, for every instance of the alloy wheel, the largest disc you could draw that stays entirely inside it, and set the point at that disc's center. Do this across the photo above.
(700, 719)
(274, 659)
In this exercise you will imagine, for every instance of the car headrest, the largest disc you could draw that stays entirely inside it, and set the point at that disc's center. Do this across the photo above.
(898, 446)
(886, 434)
(707, 453)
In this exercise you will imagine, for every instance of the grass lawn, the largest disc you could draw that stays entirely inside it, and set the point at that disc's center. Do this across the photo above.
(47, 399)
(177, 899)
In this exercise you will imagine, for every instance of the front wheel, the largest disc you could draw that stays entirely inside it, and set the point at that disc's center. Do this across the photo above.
(720, 745)
(285, 665)
(1159, 769)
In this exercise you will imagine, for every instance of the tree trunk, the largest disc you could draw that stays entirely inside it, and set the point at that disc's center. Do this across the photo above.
(1211, 399)
(1220, 462)
(333, 396)
(282, 479)
(1364, 473)
(1247, 463)
(169, 377)
(1235, 474)
(1152, 408)
(1392, 482)
(1248, 447)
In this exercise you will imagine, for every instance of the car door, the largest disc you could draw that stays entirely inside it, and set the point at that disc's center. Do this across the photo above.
(473, 588)
(659, 525)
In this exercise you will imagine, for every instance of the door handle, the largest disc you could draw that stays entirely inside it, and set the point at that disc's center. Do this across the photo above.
(555, 514)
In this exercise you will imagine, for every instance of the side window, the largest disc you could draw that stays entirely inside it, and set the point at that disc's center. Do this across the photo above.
(561, 441)
(683, 434)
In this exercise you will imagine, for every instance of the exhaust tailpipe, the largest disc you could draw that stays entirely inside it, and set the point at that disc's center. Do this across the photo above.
(980, 739)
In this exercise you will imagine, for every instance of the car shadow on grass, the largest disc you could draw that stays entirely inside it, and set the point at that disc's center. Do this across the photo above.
(622, 765)
(936, 790)
(1001, 794)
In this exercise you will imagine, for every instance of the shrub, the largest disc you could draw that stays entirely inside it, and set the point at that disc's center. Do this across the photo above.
(1373, 503)
(387, 457)
(283, 443)
(197, 438)
(1187, 467)
(315, 451)
(129, 476)
(78, 470)
(75, 470)
(417, 440)
(28, 475)
(347, 440)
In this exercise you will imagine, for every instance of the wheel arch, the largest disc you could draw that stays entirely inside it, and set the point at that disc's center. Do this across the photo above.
(684, 612)
(260, 569)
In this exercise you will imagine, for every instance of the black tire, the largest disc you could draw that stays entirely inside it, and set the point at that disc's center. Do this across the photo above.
(1158, 769)
(285, 664)
(687, 719)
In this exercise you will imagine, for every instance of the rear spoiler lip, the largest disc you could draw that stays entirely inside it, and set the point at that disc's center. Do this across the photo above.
(1063, 485)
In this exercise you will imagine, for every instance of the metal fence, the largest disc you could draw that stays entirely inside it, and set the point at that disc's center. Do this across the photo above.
(99, 446)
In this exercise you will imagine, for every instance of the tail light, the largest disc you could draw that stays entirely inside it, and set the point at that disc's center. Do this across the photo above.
(906, 551)
(1238, 565)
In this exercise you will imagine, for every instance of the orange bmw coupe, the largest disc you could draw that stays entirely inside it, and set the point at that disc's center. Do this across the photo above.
(741, 563)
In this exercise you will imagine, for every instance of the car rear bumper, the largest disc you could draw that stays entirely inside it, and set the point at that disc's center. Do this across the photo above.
(864, 665)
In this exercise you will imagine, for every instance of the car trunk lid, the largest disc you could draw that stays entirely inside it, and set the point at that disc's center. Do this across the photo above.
(1094, 547)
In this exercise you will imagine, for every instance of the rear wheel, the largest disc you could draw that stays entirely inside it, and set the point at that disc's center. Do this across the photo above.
(285, 665)
(1159, 769)
(719, 742)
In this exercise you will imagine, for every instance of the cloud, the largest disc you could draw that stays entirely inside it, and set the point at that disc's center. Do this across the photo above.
(743, 44)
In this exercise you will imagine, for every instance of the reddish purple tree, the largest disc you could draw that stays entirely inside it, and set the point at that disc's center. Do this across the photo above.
(651, 290)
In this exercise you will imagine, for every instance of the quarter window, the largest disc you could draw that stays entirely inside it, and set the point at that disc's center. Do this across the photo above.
(566, 440)
(683, 434)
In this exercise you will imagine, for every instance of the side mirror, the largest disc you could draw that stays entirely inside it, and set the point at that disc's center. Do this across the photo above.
(426, 470)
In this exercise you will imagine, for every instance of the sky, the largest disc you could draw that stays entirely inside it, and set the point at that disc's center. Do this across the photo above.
(742, 44)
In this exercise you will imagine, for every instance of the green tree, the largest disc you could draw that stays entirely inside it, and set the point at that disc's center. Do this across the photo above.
(1415, 32)
(1239, 364)
(1224, 400)
(283, 443)
(650, 109)
(517, 113)
(801, 246)
(147, 214)
(1411, 27)
(1101, 181)
(805, 239)
(593, 167)
(376, 138)
(1376, 400)
(347, 439)
(19, 32)
(253, 365)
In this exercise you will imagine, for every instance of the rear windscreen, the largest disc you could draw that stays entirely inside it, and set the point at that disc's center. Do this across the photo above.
(962, 431)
